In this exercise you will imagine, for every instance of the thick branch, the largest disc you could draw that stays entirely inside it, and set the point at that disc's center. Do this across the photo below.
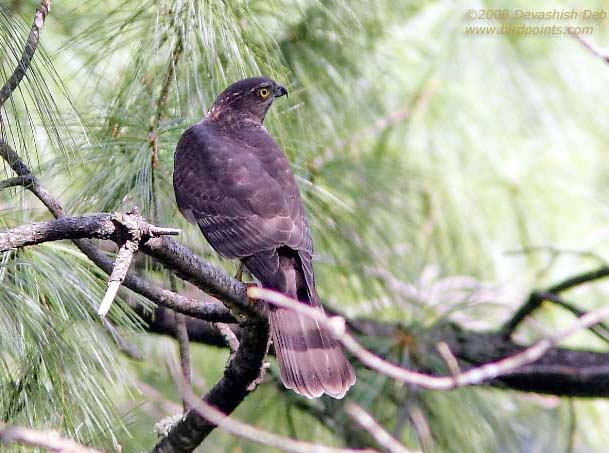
(210, 311)
(28, 53)
(105, 226)
(211, 280)
(336, 326)
(98, 226)
(561, 371)
(242, 370)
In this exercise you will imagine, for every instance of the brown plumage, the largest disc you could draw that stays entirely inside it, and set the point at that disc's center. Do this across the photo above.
(232, 179)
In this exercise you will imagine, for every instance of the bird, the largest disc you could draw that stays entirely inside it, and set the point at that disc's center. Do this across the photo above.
(233, 180)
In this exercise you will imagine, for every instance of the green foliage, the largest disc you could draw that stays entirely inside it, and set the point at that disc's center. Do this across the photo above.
(423, 155)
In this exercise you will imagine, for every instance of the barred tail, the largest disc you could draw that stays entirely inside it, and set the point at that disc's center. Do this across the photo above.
(311, 362)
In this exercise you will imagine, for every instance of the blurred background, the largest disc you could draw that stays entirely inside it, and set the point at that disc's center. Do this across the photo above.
(445, 175)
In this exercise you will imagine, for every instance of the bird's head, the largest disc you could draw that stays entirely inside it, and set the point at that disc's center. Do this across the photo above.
(248, 99)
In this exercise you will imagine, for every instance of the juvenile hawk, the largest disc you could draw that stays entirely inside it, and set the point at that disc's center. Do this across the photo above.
(232, 179)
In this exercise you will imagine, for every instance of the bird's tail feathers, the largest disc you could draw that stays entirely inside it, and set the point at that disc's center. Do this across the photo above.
(311, 362)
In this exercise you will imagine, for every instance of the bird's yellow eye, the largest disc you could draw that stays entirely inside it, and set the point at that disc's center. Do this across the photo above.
(264, 93)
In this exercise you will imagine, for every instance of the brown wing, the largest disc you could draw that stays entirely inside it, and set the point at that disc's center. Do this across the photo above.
(240, 191)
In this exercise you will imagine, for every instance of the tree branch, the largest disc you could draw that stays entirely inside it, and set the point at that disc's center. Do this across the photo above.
(161, 321)
(561, 371)
(600, 330)
(241, 371)
(537, 297)
(23, 181)
(98, 226)
(184, 347)
(49, 440)
(259, 436)
(211, 280)
(210, 311)
(595, 50)
(379, 434)
(337, 327)
(107, 226)
(208, 278)
(31, 45)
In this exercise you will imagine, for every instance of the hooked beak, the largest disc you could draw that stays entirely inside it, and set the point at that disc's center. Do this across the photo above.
(279, 91)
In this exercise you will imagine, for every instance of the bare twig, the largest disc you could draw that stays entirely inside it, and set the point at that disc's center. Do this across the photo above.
(184, 348)
(31, 45)
(336, 326)
(601, 330)
(231, 339)
(378, 433)
(153, 134)
(49, 440)
(164, 93)
(15, 162)
(119, 272)
(421, 426)
(447, 355)
(554, 251)
(23, 181)
(256, 435)
(128, 349)
(534, 300)
(595, 50)
(133, 224)
(572, 427)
